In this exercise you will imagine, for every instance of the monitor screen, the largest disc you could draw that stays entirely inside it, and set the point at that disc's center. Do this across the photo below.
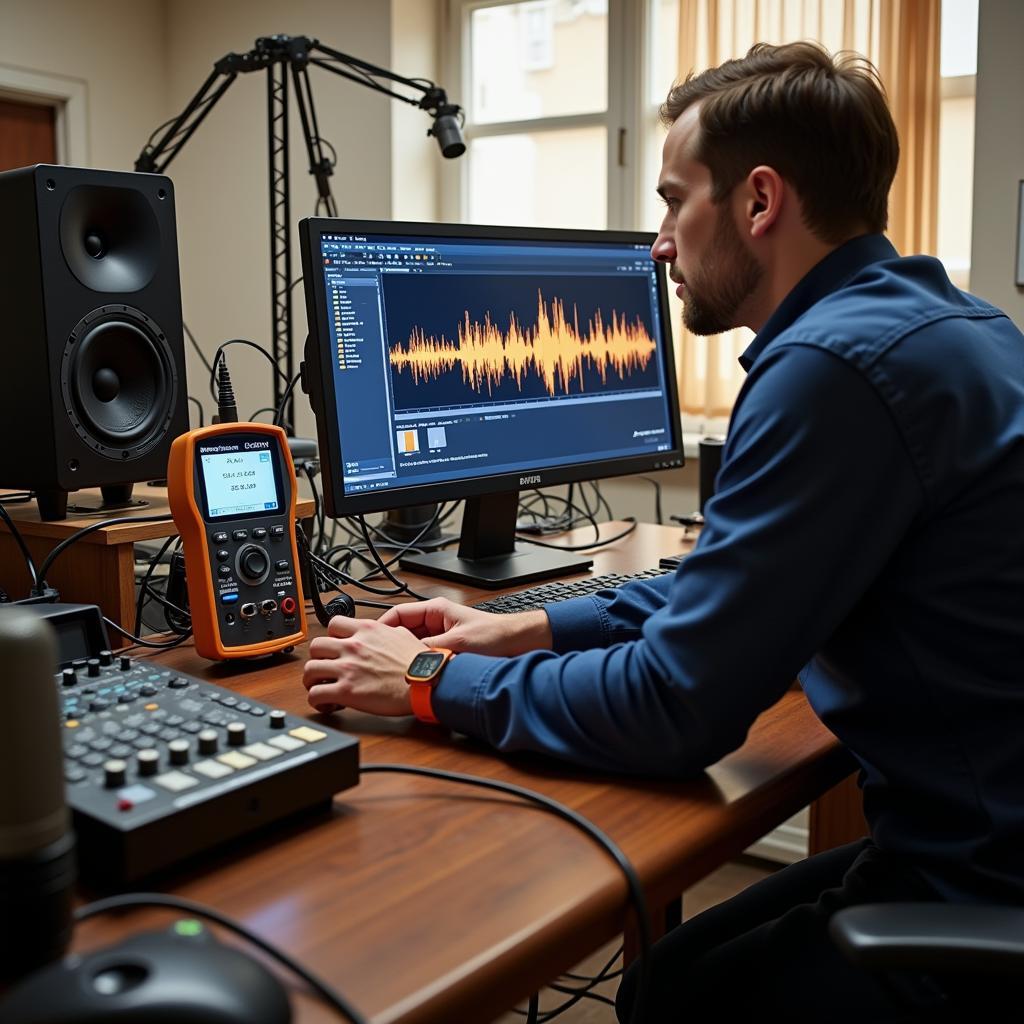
(455, 359)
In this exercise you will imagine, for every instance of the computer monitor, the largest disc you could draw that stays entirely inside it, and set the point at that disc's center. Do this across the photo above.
(459, 361)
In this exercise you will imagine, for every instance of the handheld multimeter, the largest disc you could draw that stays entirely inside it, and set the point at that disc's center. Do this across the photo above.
(231, 488)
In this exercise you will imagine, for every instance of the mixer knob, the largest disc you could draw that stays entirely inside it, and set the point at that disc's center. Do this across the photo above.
(178, 749)
(114, 773)
(149, 761)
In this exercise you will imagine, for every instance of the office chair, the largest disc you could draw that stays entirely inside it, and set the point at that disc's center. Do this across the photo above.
(932, 937)
(969, 958)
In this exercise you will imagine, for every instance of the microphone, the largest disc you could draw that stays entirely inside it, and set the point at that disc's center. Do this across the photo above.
(448, 131)
(447, 122)
(37, 846)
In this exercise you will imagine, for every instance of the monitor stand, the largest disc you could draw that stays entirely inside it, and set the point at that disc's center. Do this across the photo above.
(488, 556)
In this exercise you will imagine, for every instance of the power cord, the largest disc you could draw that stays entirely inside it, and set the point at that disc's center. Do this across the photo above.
(636, 892)
(26, 554)
(92, 528)
(533, 1013)
(155, 899)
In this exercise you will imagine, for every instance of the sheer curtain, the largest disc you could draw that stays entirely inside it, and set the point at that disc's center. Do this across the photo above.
(901, 38)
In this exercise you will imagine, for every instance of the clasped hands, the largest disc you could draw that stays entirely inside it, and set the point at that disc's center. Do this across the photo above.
(361, 663)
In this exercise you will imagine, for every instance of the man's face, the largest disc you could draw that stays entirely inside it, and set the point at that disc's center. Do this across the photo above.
(714, 271)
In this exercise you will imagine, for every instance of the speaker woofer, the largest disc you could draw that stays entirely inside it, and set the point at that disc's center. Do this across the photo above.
(119, 382)
(110, 238)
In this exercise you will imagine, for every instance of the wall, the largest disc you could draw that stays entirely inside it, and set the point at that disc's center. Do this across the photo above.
(998, 155)
(112, 47)
(416, 162)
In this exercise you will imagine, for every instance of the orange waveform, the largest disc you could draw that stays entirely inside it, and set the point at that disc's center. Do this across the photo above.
(554, 349)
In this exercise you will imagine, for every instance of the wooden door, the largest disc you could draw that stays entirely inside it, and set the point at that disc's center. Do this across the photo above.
(28, 134)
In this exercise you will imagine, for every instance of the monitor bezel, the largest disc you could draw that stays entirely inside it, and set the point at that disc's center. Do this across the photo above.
(319, 377)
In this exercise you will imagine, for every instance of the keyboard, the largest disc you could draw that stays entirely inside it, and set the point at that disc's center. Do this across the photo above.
(549, 593)
(161, 765)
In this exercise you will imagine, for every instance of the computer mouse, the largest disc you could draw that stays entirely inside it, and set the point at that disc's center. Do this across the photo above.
(181, 976)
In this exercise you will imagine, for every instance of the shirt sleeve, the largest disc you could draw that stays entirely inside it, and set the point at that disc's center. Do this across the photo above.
(607, 617)
(815, 491)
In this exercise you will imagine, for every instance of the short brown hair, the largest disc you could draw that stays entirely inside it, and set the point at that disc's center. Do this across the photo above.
(821, 121)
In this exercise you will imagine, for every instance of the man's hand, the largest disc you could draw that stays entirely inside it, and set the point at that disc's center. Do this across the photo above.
(442, 623)
(360, 664)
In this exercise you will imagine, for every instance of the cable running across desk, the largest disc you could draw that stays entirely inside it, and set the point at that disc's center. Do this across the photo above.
(636, 892)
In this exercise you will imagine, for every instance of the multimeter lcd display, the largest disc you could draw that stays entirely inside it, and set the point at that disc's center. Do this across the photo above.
(239, 483)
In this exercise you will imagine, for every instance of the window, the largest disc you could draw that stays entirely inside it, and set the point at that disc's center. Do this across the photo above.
(546, 98)
(562, 104)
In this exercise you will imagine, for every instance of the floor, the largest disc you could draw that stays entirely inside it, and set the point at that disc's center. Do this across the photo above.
(723, 883)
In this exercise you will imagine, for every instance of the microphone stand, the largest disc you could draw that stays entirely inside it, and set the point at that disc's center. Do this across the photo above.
(283, 57)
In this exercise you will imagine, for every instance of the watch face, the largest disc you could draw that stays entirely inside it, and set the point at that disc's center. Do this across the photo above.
(424, 665)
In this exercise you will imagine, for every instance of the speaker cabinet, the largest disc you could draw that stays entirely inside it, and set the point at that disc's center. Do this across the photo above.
(92, 368)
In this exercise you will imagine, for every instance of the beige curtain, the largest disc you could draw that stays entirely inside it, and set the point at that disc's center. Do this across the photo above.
(901, 38)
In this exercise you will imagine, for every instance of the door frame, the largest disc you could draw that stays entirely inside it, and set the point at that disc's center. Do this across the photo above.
(69, 99)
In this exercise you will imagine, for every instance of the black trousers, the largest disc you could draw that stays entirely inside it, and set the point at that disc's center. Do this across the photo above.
(766, 955)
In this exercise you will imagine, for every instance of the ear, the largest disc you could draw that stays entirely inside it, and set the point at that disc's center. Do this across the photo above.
(763, 195)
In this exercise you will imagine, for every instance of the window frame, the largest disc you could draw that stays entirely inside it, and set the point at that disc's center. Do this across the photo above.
(622, 119)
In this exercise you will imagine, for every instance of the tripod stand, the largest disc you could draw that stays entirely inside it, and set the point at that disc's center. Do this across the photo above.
(284, 57)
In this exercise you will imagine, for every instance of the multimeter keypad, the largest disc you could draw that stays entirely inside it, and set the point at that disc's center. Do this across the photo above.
(255, 583)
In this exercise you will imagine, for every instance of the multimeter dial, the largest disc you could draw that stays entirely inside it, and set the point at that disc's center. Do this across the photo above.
(252, 563)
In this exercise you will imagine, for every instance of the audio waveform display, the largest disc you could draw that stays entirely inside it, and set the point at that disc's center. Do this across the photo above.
(554, 349)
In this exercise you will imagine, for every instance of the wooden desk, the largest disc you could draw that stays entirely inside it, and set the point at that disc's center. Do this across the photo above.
(424, 901)
(99, 568)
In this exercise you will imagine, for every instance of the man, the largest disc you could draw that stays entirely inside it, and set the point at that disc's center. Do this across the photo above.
(866, 534)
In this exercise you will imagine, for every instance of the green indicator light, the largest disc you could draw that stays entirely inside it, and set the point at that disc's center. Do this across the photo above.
(188, 927)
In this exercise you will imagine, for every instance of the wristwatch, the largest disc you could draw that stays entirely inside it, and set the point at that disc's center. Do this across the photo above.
(422, 676)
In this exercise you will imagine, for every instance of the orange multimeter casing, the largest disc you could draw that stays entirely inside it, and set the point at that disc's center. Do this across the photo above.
(231, 488)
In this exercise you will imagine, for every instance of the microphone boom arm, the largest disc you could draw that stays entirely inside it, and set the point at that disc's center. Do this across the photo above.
(276, 55)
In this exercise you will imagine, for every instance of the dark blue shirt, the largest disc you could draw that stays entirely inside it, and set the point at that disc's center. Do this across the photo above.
(867, 534)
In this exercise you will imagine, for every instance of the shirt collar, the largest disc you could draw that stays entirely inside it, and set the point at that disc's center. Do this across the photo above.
(823, 278)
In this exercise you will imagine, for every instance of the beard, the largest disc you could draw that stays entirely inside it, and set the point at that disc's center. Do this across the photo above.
(728, 276)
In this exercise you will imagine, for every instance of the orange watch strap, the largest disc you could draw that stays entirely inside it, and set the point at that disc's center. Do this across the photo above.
(420, 690)
(419, 695)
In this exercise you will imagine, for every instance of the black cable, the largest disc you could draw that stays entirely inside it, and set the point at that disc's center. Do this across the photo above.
(182, 628)
(92, 528)
(318, 511)
(317, 579)
(156, 899)
(139, 642)
(330, 571)
(262, 408)
(601, 498)
(17, 498)
(534, 1009)
(657, 498)
(411, 545)
(141, 599)
(195, 344)
(605, 974)
(26, 554)
(636, 892)
(405, 588)
(218, 355)
(283, 404)
(584, 547)
(583, 992)
(199, 406)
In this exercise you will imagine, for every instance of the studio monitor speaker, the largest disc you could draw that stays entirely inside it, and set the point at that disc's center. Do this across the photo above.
(92, 369)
